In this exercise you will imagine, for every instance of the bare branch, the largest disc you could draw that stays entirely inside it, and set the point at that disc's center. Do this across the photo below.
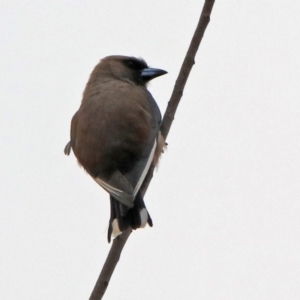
(186, 67)
(118, 244)
(181, 80)
(109, 265)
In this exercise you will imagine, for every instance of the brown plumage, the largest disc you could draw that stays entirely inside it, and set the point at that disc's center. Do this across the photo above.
(115, 135)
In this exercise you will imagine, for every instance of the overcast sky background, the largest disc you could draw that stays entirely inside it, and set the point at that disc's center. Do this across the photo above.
(225, 200)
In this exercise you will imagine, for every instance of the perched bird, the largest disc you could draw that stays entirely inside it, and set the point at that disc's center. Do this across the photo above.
(115, 136)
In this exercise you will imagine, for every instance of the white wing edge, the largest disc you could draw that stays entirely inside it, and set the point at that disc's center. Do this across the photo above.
(119, 194)
(145, 171)
(114, 192)
(108, 187)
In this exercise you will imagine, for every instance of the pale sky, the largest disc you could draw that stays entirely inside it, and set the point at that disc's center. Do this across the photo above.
(225, 201)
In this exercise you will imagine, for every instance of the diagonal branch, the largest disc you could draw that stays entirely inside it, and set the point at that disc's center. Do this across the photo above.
(118, 243)
(186, 67)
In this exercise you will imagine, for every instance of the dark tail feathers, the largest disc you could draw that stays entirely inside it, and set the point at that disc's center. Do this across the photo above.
(125, 217)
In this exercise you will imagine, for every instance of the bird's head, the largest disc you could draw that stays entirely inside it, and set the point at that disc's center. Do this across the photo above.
(126, 68)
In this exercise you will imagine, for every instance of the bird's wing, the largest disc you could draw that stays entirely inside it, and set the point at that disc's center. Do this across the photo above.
(145, 169)
(141, 167)
(119, 187)
(125, 187)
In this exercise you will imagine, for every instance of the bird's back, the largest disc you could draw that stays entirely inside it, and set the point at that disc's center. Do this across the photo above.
(117, 125)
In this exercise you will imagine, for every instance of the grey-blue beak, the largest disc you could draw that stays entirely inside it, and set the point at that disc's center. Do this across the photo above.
(150, 73)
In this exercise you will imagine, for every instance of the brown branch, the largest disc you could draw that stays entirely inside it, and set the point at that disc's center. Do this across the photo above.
(118, 243)
(186, 67)
(109, 265)
(181, 80)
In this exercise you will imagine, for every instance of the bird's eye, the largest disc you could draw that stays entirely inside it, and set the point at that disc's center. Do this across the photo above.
(130, 64)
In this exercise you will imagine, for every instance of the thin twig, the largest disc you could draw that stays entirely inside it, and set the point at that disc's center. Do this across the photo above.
(186, 67)
(109, 265)
(118, 243)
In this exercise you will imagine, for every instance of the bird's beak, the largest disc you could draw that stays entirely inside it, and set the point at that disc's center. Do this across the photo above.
(150, 73)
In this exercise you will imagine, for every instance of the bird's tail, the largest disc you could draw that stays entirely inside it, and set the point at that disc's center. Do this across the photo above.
(122, 217)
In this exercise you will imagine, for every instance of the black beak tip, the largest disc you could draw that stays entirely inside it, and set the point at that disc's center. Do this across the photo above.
(151, 73)
(163, 72)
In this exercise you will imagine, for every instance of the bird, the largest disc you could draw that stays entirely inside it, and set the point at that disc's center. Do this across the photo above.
(115, 136)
